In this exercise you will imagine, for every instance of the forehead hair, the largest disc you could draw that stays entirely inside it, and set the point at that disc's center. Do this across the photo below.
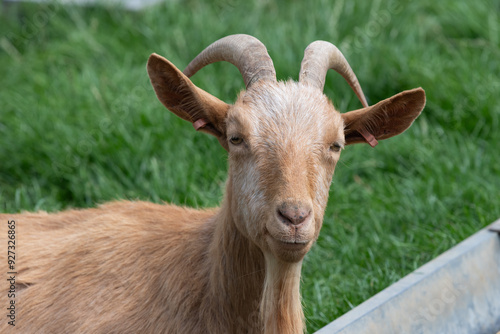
(284, 109)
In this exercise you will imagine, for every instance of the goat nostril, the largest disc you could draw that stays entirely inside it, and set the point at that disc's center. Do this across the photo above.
(293, 214)
(284, 219)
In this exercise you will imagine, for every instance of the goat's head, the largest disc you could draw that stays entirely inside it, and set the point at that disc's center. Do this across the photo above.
(283, 138)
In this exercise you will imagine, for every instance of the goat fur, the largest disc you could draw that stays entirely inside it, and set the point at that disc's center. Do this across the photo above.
(138, 267)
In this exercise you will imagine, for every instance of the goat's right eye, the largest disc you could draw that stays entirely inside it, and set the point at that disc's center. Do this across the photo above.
(236, 140)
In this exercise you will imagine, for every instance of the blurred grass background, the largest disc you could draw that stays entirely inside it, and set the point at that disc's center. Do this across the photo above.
(80, 124)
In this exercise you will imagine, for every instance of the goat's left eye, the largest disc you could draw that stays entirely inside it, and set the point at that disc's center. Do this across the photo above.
(335, 147)
(236, 140)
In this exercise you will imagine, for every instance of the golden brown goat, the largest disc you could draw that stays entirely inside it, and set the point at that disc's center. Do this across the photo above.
(137, 267)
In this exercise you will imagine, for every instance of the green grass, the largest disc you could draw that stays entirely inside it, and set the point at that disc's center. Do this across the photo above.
(80, 124)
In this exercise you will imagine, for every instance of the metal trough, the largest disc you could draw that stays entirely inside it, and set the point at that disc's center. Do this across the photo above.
(458, 292)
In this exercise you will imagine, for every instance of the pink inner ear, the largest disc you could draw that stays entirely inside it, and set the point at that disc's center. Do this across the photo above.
(199, 124)
(370, 139)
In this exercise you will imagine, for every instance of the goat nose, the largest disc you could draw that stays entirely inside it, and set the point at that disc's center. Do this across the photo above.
(294, 214)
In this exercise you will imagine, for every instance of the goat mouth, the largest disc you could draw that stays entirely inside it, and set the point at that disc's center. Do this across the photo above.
(292, 244)
(289, 250)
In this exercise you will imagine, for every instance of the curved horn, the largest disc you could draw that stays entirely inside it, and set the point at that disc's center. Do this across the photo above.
(245, 52)
(320, 56)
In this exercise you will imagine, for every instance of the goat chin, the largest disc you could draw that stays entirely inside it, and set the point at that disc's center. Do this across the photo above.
(289, 252)
(138, 267)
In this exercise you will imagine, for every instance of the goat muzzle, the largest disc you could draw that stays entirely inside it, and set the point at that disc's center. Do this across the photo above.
(296, 214)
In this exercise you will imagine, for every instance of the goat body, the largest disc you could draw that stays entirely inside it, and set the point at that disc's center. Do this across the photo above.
(130, 267)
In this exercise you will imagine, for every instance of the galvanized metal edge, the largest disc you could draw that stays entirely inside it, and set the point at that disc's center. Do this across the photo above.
(458, 292)
(495, 227)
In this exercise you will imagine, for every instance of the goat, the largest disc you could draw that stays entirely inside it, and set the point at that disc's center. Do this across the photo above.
(139, 267)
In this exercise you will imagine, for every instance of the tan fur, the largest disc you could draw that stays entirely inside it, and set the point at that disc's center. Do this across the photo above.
(136, 267)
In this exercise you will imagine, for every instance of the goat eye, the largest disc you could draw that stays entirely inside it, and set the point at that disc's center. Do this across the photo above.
(236, 140)
(335, 147)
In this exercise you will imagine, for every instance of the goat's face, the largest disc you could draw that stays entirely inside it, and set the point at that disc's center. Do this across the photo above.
(284, 140)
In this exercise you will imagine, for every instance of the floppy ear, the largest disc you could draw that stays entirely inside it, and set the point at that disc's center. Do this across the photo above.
(385, 119)
(176, 92)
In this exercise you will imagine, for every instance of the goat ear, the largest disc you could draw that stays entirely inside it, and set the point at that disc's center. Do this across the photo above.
(385, 119)
(176, 92)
